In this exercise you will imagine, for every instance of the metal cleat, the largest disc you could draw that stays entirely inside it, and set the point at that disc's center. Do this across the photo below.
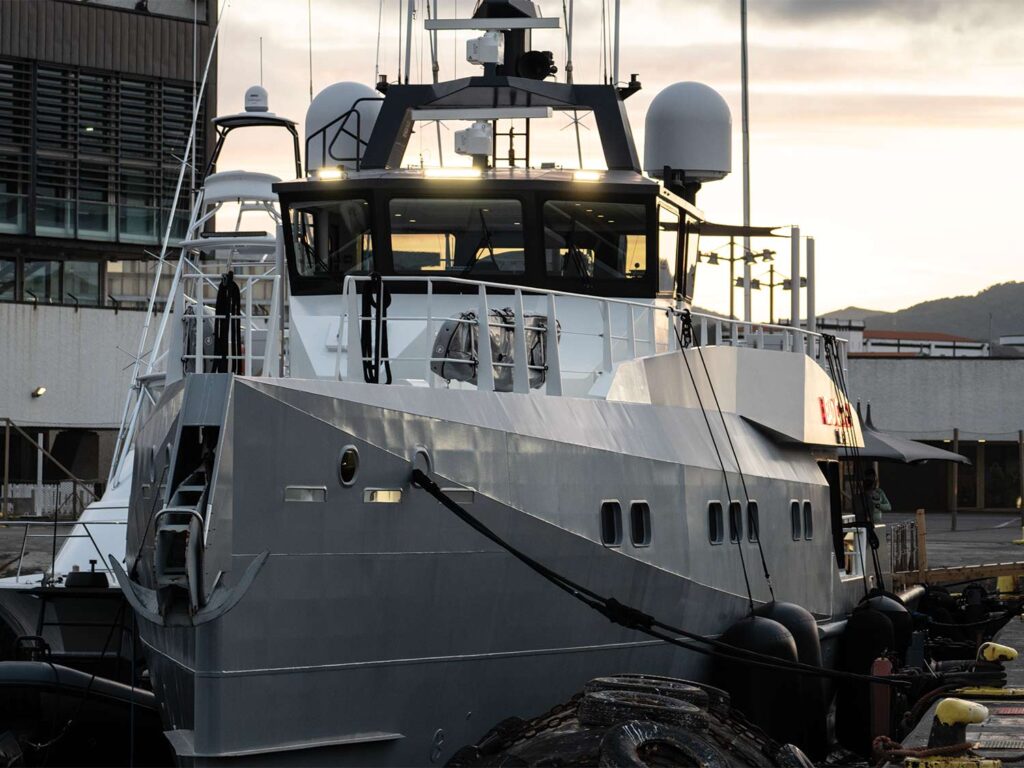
(952, 717)
(996, 652)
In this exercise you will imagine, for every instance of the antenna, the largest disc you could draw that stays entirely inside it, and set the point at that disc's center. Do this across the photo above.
(261, 61)
(380, 24)
(411, 12)
(615, 56)
(309, 17)
(745, 98)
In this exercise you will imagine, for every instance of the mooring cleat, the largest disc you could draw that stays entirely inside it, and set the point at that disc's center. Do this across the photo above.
(996, 652)
(952, 716)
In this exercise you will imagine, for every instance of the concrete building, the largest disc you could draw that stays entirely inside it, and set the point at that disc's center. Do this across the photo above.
(974, 405)
(96, 104)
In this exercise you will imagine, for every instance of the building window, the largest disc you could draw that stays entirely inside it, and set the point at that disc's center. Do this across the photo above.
(794, 518)
(735, 521)
(611, 524)
(42, 281)
(753, 522)
(716, 529)
(82, 283)
(8, 280)
(96, 203)
(808, 521)
(640, 523)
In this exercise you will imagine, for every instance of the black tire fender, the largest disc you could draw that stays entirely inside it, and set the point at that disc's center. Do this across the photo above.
(622, 746)
(660, 686)
(608, 708)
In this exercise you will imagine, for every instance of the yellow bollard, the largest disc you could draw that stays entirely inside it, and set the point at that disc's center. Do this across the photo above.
(1006, 585)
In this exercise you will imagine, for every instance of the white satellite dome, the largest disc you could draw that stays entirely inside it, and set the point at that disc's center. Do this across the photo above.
(334, 102)
(689, 129)
(256, 99)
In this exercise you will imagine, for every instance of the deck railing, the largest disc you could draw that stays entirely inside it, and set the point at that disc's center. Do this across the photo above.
(602, 331)
(52, 534)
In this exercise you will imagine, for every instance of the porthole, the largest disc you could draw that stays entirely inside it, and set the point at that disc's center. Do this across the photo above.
(716, 531)
(640, 523)
(735, 521)
(753, 522)
(348, 465)
(794, 519)
(611, 524)
(808, 521)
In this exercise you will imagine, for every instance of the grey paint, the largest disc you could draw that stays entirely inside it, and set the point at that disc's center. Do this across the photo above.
(75, 355)
(929, 397)
(371, 627)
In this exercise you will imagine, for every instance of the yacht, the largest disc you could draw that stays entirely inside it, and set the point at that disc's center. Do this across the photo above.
(523, 339)
(73, 613)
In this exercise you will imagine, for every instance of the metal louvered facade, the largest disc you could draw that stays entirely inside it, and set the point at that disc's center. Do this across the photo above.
(96, 106)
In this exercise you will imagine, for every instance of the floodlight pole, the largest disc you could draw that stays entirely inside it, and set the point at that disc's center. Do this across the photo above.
(745, 98)
(794, 276)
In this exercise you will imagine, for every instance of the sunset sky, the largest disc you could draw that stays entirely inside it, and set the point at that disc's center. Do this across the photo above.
(891, 130)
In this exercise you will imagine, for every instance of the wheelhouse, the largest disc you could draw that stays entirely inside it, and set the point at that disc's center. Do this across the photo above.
(613, 234)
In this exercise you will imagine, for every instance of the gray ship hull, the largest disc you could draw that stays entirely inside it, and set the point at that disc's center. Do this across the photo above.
(392, 633)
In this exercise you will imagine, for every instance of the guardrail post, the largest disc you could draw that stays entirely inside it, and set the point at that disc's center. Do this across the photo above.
(485, 364)
(521, 364)
(429, 338)
(922, 546)
(631, 332)
(7, 465)
(248, 327)
(273, 348)
(653, 322)
(703, 332)
(551, 353)
(606, 320)
(354, 354)
(200, 335)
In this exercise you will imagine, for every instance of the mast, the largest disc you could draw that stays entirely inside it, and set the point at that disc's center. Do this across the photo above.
(745, 97)
(615, 55)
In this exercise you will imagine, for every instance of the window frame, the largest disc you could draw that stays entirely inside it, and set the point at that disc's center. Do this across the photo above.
(735, 522)
(716, 523)
(642, 507)
(615, 508)
(753, 521)
(796, 519)
(807, 514)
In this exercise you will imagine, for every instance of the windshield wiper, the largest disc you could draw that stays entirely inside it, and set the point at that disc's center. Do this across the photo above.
(486, 240)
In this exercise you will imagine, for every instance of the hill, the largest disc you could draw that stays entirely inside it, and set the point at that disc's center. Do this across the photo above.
(994, 312)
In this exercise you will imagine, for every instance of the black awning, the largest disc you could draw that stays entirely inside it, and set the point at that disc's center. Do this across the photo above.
(710, 229)
(882, 446)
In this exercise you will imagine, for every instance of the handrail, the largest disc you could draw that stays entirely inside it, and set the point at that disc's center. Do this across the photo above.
(55, 524)
(728, 332)
(430, 280)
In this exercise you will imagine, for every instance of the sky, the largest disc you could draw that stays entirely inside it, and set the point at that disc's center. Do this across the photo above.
(890, 130)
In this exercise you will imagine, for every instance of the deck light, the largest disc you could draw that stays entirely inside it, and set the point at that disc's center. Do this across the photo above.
(586, 176)
(330, 174)
(453, 173)
(38, 392)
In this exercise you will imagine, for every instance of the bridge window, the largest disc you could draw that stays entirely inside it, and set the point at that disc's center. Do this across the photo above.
(332, 239)
(595, 240)
(464, 238)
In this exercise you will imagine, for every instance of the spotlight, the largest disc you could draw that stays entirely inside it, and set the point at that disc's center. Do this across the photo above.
(38, 392)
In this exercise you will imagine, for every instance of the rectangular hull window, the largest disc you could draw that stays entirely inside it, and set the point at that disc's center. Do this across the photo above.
(305, 494)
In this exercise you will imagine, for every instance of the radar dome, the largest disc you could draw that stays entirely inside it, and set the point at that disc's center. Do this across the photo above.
(689, 129)
(256, 99)
(338, 115)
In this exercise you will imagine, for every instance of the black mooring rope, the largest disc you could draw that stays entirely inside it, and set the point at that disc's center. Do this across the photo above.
(632, 618)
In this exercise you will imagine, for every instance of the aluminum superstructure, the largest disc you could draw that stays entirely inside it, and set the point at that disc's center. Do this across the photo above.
(523, 337)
